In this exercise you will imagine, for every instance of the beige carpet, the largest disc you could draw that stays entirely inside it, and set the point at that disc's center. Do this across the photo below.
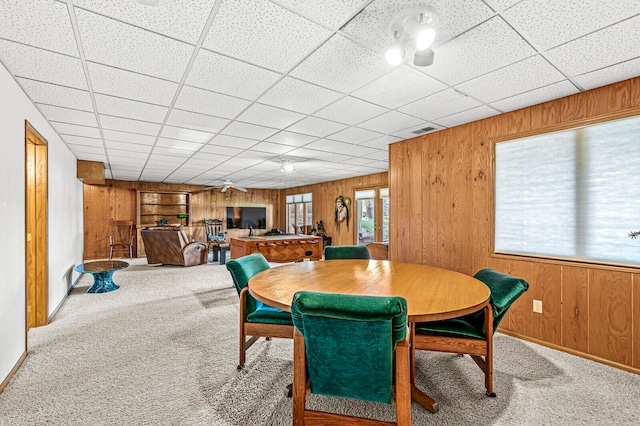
(162, 350)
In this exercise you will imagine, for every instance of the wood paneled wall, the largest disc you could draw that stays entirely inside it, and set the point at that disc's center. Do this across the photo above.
(324, 196)
(116, 200)
(440, 189)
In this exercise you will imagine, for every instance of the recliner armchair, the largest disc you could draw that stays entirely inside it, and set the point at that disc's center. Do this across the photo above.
(169, 245)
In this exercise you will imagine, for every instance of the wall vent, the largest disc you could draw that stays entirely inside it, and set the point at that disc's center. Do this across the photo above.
(423, 130)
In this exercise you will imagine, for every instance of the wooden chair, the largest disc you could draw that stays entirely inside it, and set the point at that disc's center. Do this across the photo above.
(351, 347)
(346, 252)
(471, 334)
(216, 239)
(256, 319)
(121, 238)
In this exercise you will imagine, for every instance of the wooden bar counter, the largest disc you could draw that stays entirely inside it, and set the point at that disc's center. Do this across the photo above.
(279, 248)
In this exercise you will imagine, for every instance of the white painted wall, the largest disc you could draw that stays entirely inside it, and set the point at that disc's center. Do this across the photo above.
(65, 220)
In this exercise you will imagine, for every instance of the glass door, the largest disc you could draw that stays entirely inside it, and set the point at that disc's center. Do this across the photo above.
(372, 215)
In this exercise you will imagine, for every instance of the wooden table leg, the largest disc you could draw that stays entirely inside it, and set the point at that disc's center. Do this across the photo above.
(416, 394)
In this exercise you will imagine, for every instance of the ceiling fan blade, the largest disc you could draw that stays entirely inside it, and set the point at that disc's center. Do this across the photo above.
(224, 188)
(239, 188)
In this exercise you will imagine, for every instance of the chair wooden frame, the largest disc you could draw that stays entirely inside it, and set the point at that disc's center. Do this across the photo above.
(257, 330)
(302, 416)
(480, 350)
(121, 246)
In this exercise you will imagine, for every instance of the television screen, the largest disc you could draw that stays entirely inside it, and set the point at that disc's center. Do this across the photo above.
(244, 217)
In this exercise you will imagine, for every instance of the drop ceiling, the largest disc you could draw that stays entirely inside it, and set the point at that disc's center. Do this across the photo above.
(203, 91)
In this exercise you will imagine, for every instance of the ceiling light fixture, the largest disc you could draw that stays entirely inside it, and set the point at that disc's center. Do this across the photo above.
(413, 30)
(287, 166)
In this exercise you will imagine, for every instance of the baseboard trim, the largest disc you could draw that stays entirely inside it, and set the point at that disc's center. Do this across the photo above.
(573, 352)
(55, 311)
(12, 372)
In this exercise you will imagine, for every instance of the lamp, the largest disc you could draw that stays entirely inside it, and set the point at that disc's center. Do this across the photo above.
(413, 30)
(287, 166)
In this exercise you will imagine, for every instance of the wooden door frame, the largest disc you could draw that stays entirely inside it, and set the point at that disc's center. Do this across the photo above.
(38, 224)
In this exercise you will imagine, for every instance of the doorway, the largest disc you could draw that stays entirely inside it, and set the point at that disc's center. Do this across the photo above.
(36, 194)
(372, 215)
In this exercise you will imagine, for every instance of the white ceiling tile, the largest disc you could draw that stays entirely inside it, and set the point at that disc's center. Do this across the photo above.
(181, 20)
(220, 150)
(42, 65)
(186, 134)
(210, 103)
(81, 140)
(328, 145)
(316, 127)
(485, 48)
(358, 150)
(297, 95)
(350, 110)
(439, 105)
(52, 94)
(468, 116)
(391, 122)
(342, 65)
(273, 148)
(127, 156)
(333, 156)
(94, 157)
(537, 96)
(372, 25)
(109, 105)
(359, 161)
(196, 121)
(332, 13)
(129, 85)
(128, 147)
(181, 145)
(304, 153)
(610, 74)
(260, 32)
(86, 149)
(400, 87)
(354, 135)
(74, 129)
(164, 160)
(270, 116)
(128, 125)
(43, 17)
(229, 76)
(68, 115)
(118, 136)
(380, 156)
(512, 80)
(292, 139)
(500, 5)
(609, 46)
(248, 131)
(232, 141)
(566, 20)
(381, 142)
(124, 46)
(173, 152)
(125, 175)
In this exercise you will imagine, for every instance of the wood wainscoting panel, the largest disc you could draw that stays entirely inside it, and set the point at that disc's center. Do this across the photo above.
(462, 202)
(521, 311)
(442, 201)
(636, 321)
(548, 288)
(610, 328)
(429, 200)
(480, 215)
(575, 308)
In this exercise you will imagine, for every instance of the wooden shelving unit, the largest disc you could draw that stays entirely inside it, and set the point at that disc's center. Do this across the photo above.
(153, 206)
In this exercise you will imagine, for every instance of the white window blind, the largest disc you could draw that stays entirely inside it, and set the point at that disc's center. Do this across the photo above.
(573, 194)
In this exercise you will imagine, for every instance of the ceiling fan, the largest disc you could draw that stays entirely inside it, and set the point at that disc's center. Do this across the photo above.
(228, 184)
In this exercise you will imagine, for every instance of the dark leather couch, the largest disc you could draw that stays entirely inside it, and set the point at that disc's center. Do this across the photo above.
(169, 245)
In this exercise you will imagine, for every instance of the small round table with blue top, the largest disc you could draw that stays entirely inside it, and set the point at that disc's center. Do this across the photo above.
(102, 271)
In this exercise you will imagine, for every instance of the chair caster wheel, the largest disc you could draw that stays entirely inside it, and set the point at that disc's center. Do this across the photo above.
(491, 394)
(268, 339)
(240, 367)
(289, 391)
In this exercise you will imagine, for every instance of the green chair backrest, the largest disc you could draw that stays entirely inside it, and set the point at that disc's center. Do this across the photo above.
(346, 252)
(350, 342)
(505, 290)
(242, 269)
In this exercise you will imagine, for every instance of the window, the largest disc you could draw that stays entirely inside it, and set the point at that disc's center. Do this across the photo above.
(572, 194)
(299, 213)
(372, 215)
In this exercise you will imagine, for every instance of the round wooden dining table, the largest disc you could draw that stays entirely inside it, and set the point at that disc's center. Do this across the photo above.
(431, 293)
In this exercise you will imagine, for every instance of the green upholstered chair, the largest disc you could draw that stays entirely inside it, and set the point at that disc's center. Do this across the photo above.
(256, 319)
(471, 334)
(346, 252)
(344, 346)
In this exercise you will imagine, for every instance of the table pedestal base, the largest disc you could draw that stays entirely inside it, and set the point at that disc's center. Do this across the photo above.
(102, 282)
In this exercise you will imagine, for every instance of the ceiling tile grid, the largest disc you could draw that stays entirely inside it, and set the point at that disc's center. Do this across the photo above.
(177, 100)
